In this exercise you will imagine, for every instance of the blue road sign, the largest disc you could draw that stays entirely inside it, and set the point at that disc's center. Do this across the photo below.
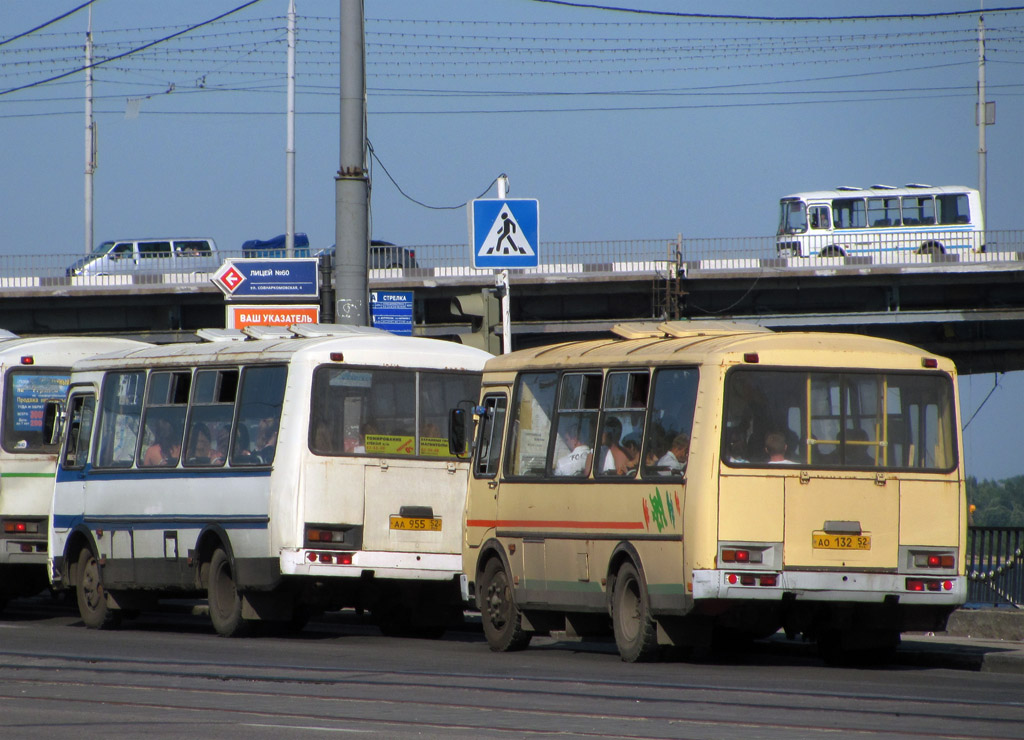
(504, 232)
(391, 310)
(268, 278)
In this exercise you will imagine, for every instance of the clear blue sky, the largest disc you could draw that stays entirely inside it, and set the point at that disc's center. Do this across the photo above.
(623, 125)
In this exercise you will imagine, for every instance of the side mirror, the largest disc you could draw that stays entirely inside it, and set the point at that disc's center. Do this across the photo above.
(51, 422)
(457, 436)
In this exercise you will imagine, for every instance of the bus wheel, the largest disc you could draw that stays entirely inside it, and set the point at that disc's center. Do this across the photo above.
(92, 596)
(832, 251)
(635, 632)
(222, 596)
(502, 620)
(931, 248)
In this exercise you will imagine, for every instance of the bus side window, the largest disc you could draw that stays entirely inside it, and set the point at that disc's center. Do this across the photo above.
(670, 419)
(259, 411)
(579, 399)
(819, 217)
(492, 423)
(119, 420)
(533, 409)
(80, 417)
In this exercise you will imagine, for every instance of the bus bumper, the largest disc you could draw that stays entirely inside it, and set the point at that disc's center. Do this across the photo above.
(361, 564)
(832, 587)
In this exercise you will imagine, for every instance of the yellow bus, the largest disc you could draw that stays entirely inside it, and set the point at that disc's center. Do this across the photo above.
(686, 483)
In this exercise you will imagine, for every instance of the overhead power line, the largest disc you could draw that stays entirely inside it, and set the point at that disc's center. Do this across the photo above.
(770, 18)
(129, 52)
(47, 23)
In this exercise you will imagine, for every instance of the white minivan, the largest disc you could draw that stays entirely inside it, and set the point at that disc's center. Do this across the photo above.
(186, 254)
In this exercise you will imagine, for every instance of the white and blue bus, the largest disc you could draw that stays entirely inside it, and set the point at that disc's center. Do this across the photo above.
(881, 220)
(33, 372)
(307, 470)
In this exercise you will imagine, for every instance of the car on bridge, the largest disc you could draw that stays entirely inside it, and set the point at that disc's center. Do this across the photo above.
(383, 256)
(184, 254)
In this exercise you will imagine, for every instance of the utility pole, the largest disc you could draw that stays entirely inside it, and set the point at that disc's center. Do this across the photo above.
(351, 236)
(289, 153)
(90, 139)
(982, 122)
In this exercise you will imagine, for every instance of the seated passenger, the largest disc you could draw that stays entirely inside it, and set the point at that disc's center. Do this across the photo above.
(166, 447)
(578, 460)
(775, 447)
(614, 460)
(673, 462)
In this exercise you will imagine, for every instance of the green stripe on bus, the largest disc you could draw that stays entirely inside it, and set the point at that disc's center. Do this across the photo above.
(27, 475)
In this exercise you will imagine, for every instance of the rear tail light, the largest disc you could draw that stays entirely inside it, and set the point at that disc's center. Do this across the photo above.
(741, 556)
(18, 527)
(321, 534)
(934, 560)
(929, 584)
(752, 579)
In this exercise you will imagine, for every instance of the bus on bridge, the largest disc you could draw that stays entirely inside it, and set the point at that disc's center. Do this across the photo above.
(849, 221)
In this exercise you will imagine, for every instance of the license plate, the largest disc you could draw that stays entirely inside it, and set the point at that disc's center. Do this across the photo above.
(415, 524)
(822, 541)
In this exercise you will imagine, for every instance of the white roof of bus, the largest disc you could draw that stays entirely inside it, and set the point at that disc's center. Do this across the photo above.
(687, 342)
(61, 350)
(379, 348)
(876, 191)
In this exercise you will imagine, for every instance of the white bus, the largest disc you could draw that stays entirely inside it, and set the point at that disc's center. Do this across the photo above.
(881, 220)
(33, 371)
(302, 471)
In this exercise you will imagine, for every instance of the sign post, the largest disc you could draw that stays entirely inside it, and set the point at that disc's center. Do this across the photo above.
(504, 234)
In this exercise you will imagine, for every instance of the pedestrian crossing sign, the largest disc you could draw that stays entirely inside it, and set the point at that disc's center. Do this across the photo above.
(503, 232)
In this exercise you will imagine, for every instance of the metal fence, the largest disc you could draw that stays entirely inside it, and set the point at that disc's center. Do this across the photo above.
(651, 256)
(995, 565)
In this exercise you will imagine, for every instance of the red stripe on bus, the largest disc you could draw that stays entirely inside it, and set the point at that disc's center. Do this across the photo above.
(552, 524)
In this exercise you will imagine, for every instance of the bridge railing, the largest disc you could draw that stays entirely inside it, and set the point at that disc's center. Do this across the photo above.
(995, 565)
(652, 256)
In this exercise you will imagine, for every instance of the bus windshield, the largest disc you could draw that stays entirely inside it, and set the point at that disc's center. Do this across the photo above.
(794, 217)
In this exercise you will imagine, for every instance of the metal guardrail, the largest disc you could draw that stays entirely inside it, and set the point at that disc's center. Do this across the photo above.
(995, 565)
(655, 257)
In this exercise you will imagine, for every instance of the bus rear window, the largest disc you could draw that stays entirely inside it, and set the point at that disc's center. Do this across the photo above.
(837, 419)
(385, 413)
(26, 394)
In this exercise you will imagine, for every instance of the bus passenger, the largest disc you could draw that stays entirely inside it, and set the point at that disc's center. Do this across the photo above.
(202, 452)
(673, 462)
(614, 460)
(266, 439)
(166, 447)
(578, 460)
(775, 447)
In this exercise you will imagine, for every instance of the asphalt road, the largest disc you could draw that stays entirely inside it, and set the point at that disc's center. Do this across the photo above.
(168, 675)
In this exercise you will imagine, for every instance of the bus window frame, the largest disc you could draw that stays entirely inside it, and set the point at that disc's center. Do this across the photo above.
(842, 372)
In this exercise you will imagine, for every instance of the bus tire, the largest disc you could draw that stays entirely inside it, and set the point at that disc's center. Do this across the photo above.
(222, 596)
(832, 251)
(931, 248)
(636, 635)
(92, 596)
(502, 620)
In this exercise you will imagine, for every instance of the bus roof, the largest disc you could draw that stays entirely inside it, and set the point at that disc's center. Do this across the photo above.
(876, 191)
(719, 343)
(61, 350)
(358, 348)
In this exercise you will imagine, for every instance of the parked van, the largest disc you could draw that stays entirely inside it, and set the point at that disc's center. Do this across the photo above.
(191, 254)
